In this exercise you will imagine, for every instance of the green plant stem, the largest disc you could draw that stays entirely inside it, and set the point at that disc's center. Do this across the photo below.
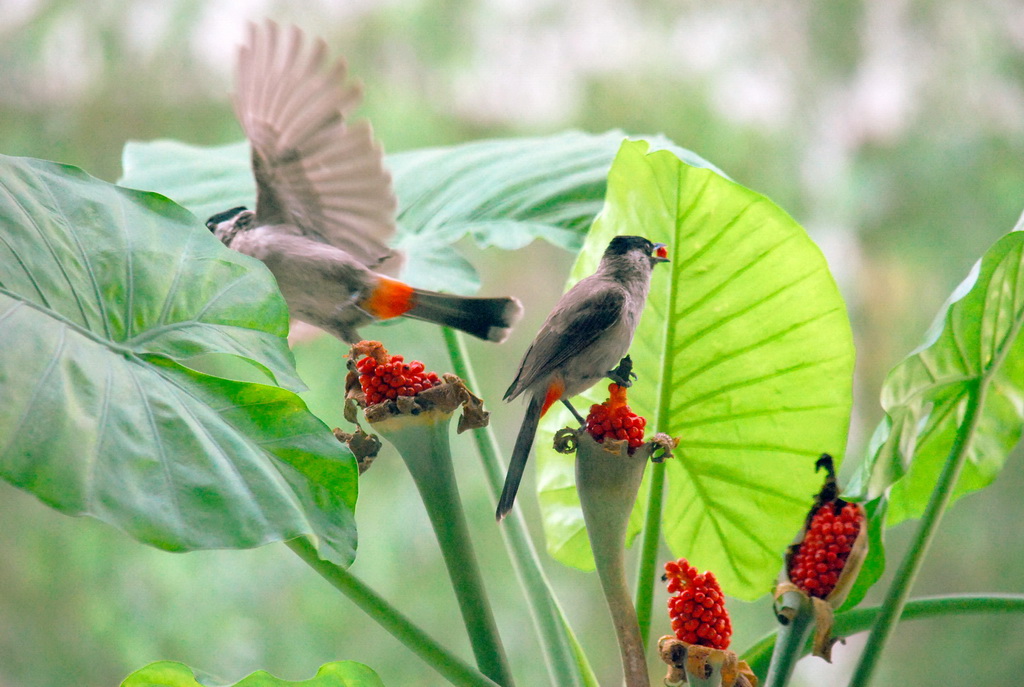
(607, 482)
(899, 590)
(861, 619)
(795, 628)
(422, 441)
(565, 662)
(646, 569)
(451, 667)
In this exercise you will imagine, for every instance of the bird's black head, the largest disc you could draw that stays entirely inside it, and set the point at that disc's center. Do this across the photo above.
(226, 216)
(621, 245)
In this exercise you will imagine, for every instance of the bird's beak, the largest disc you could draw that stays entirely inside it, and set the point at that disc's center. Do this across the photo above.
(661, 253)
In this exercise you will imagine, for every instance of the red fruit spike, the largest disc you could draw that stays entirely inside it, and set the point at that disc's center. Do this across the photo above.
(696, 611)
(819, 559)
(384, 376)
(614, 419)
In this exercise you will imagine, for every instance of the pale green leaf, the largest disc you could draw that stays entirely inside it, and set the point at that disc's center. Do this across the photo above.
(744, 352)
(172, 674)
(974, 347)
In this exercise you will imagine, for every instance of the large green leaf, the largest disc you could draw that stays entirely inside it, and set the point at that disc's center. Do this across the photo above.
(503, 192)
(113, 307)
(744, 352)
(203, 179)
(974, 349)
(172, 674)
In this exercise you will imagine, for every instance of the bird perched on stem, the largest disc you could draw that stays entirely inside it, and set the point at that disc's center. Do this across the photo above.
(587, 333)
(325, 208)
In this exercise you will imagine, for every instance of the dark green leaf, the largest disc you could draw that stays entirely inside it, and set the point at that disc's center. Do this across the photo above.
(744, 353)
(113, 305)
(974, 347)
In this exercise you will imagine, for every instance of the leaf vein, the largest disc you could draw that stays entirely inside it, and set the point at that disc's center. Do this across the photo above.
(752, 381)
(47, 371)
(760, 412)
(94, 283)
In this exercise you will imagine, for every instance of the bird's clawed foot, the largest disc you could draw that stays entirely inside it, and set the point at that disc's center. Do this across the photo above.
(623, 375)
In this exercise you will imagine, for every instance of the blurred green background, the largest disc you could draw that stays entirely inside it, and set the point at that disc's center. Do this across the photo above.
(893, 130)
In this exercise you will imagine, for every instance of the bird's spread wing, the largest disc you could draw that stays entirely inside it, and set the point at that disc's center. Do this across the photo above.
(313, 170)
(579, 319)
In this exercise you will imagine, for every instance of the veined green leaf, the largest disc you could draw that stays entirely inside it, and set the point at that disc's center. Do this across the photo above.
(874, 563)
(135, 269)
(172, 674)
(203, 179)
(974, 347)
(113, 305)
(501, 192)
(744, 352)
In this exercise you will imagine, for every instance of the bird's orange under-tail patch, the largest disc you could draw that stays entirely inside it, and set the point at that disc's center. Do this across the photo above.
(554, 393)
(390, 298)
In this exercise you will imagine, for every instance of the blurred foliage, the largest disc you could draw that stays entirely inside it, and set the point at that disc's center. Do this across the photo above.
(893, 131)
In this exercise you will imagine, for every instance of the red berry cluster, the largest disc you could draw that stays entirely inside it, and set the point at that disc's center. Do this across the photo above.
(393, 377)
(614, 419)
(817, 562)
(696, 606)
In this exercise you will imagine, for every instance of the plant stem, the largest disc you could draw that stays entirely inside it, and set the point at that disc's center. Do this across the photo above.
(423, 443)
(794, 630)
(899, 589)
(565, 662)
(861, 619)
(607, 483)
(646, 570)
(451, 667)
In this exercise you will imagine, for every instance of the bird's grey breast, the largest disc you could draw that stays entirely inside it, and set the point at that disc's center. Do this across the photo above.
(317, 280)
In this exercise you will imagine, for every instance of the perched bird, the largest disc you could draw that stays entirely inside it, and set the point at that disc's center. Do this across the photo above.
(325, 208)
(587, 333)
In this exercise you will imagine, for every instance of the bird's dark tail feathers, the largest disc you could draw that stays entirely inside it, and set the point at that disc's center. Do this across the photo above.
(487, 318)
(516, 466)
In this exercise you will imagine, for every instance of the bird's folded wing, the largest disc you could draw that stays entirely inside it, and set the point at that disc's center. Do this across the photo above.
(576, 323)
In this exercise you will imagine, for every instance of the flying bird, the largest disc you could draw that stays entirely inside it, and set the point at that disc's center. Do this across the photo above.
(325, 207)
